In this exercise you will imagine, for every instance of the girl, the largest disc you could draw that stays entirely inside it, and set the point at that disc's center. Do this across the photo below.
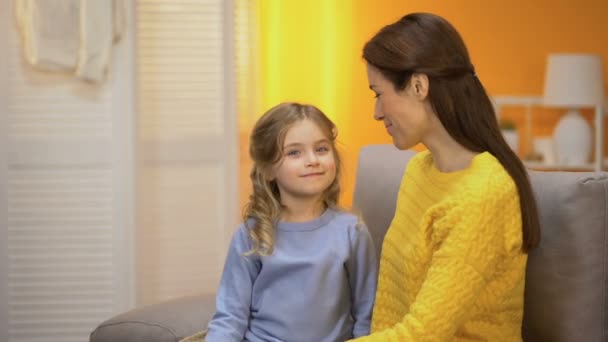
(298, 269)
(454, 257)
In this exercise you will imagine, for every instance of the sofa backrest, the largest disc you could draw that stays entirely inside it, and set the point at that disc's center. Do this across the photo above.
(566, 296)
(567, 275)
(379, 172)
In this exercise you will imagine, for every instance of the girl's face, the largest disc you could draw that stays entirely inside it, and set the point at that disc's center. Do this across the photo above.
(307, 167)
(404, 113)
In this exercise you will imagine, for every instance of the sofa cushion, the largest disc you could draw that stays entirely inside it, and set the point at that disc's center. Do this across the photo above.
(567, 282)
(169, 321)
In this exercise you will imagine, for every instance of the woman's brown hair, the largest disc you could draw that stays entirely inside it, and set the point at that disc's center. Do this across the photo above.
(428, 44)
(265, 150)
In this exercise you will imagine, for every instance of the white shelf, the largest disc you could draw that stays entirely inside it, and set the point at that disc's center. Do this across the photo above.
(536, 165)
(527, 102)
(524, 101)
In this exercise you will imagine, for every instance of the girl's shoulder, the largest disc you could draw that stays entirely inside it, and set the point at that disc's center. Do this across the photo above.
(241, 241)
(343, 216)
(242, 230)
(349, 222)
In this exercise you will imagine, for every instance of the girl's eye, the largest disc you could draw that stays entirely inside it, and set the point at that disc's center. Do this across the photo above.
(293, 153)
(323, 149)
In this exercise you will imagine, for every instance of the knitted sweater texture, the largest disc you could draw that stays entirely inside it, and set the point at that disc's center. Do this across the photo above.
(452, 266)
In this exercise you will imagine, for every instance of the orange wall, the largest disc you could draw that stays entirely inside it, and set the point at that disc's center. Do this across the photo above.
(311, 52)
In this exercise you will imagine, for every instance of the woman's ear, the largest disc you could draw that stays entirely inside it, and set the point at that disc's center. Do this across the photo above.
(420, 85)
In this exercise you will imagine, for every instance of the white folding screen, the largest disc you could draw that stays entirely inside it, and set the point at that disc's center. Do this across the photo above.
(4, 294)
(119, 194)
(247, 65)
(66, 171)
(187, 168)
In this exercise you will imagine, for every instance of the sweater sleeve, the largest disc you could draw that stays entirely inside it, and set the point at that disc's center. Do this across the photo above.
(468, 248)
(233, 299)
(362, 271)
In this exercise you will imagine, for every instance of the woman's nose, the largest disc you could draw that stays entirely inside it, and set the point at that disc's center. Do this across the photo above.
(378, 114)
(378, 111)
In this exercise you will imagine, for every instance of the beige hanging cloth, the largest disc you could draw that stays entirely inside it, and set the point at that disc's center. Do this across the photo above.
(70, 35)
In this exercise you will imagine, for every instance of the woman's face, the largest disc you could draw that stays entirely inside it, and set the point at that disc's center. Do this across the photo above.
(405, 113)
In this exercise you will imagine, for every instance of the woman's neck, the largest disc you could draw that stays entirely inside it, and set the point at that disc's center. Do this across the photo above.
(448, 154)
(302, 211)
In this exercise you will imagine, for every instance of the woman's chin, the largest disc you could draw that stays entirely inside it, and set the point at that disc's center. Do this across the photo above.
(402, 145)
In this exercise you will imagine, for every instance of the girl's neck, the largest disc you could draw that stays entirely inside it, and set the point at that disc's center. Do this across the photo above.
(302, 211)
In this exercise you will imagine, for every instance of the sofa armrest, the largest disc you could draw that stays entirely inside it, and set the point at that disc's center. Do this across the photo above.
(166, 321)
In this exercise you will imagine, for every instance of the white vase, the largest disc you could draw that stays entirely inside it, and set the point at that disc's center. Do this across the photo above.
(572, 137)
(512, 138)
(544, 146)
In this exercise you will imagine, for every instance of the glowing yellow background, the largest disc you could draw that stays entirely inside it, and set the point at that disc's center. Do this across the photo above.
(310, 51)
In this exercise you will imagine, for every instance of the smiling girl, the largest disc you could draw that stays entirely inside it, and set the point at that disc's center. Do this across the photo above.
(298, 269)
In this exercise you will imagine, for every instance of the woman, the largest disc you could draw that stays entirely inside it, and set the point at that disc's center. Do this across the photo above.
(454, 258)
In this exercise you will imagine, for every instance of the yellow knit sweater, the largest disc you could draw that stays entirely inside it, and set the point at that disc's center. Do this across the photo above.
(452, 266)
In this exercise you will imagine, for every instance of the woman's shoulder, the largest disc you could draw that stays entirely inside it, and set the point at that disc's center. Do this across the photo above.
(486, 181)
(487, 195)
(491, 178)
(420, 160)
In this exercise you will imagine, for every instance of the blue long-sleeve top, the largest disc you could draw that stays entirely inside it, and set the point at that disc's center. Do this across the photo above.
(317, 285)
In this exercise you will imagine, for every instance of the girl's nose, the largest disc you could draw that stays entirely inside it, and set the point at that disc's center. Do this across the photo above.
(313, 159)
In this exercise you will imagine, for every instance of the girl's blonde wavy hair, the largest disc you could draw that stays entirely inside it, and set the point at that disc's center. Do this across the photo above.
(264, 208)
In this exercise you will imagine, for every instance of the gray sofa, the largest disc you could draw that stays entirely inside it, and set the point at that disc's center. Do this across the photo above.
(566, 296)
